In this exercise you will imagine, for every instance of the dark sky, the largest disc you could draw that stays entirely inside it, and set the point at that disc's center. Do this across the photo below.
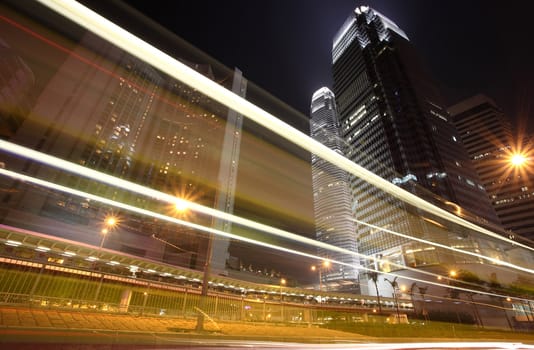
(284, 46)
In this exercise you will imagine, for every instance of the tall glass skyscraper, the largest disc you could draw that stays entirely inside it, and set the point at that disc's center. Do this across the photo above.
(331, 192)
(487, 135)
(392, 118)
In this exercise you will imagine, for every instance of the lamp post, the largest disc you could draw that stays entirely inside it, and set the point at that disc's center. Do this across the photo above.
(180, 207)
(324, 265)
(109, 224)
(282, 283)
(205, 284)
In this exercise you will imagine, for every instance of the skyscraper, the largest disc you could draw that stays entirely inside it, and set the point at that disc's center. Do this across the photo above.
(392, 118)
(109, 111)
(487, 136)
(331, 193)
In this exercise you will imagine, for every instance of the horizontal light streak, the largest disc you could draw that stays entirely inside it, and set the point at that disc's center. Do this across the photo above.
(145, 212)
(439, 245)
(149, 192)
(445, 345)
(167, 64)
(93, 174)
(146, 191)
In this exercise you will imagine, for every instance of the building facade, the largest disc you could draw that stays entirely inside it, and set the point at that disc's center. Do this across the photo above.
(487, 135)
(104, 109)
(331, 193)
(393, 120)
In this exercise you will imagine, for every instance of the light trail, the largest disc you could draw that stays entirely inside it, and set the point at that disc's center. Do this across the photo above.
(62, 164)
(167, 218)
(59, 163)
(145, 212)
(167, 64)
(439, 245)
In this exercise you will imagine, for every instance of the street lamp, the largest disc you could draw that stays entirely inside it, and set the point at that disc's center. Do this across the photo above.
(282, 283)
(325, 265)
(181, 205)
(109, 224)
(518, 159)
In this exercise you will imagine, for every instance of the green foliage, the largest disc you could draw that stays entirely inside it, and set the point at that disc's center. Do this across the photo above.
(469, 277)
(521, 289)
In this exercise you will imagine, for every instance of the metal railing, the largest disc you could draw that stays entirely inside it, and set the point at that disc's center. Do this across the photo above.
(46, 287)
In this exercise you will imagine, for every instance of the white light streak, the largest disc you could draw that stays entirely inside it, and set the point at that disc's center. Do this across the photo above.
(113, 203)
(127, 207)
(158, 59)
(77, 169)
(445, 345)
(493, 260)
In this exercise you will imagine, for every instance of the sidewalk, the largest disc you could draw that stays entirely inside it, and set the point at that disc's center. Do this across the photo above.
(12, 318)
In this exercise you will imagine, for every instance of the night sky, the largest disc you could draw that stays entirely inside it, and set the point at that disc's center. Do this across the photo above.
(284, 46)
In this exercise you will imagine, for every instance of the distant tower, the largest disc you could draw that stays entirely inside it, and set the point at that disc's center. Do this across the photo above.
(487, 136)
(331, 193)
(392, 119)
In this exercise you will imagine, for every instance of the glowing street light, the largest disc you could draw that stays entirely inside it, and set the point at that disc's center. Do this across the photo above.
(181, 205)
(518, 159)
(325, 265)
(109, 223)
(282, 283)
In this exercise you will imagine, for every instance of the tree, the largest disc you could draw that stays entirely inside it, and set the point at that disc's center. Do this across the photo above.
(373, 275)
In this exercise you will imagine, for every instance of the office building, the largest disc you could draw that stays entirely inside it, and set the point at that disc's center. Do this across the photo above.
(104, 109)
(393, 120)
(331, 193)
(487, 135)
